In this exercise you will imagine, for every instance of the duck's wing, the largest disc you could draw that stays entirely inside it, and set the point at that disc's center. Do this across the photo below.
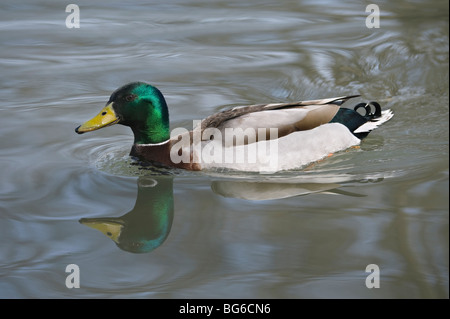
(284, 117)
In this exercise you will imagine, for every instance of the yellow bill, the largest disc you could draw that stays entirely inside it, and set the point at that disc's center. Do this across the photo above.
(106, 117)
(111, 228)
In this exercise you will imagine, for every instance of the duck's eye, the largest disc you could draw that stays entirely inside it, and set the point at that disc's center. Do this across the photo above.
(130, 97)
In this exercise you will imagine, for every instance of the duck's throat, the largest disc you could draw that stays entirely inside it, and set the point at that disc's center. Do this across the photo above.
(150, 135)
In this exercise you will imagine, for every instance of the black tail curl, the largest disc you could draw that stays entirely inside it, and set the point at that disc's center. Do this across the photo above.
(352, 119)
(369, 108)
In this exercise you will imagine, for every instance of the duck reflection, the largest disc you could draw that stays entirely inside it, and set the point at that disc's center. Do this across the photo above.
(270, 190)
(148, 224)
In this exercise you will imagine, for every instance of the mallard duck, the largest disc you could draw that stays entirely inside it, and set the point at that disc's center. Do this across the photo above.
(261, 137)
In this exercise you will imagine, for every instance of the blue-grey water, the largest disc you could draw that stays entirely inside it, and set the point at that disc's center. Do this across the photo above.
(308, 233)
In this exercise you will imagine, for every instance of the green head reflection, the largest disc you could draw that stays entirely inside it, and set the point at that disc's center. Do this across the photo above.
(148, 224)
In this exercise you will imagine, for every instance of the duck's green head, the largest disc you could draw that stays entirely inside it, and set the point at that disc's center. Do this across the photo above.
(138, 105)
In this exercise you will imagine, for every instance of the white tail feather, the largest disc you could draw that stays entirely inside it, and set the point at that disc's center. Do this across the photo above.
(386, 115)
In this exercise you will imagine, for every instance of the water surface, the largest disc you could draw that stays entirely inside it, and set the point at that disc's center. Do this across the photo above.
(308, 233)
